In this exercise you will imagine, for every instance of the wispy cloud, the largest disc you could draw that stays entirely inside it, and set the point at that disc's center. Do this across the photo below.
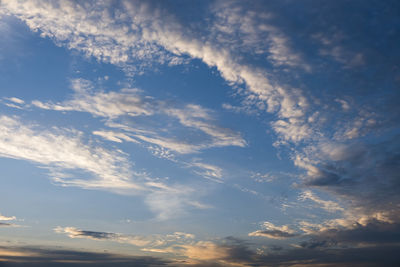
(327, 205)
(206, 170)
(109, 105)
(147, 242)
(64, 153)
(115, 136)
(61, 150)
(129, 102)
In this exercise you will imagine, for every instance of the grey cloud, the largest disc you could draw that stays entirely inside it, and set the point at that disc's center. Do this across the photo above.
(48, 257)
(96, 235)
(374, 232)
(367, 175)
(228, 252)
(242, 253)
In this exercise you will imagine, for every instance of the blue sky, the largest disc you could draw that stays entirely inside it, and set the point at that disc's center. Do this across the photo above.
(199, 133)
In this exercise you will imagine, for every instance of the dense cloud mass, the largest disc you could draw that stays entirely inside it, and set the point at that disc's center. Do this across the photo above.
(236, 253)
(28, 256)
(276, 122)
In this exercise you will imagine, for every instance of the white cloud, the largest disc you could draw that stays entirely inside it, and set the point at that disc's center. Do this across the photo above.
(98, 103)
(61, 150)
(15, 100)
(6, 218)
(327, 205)
(171, 144)
(250, 31)
(197, 117)
(93, 28)
(169, 202)
(140, 32)
(206, 170)
(345, 105)
(128, 102)
(148, 28)
(115, 136)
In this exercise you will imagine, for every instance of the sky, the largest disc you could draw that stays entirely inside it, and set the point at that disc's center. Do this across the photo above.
(199, 133)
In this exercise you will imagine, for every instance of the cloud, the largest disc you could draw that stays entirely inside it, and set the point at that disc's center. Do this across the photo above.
(150, 34)
(327, 205)
(111, 37)
(371, 233)
(235, 252)
(49, 257)
(115, 136)
(6, 224)
(249, 30)
(101, 104)
(73, 162)
(13, 102)
(197, 117)
(61, 151)
(207, 171)
(228, 253)
(274, 232)
(361, 173)
(366, 176)
(168, 203)
(147, 242)
(6, 218)
(129, 102)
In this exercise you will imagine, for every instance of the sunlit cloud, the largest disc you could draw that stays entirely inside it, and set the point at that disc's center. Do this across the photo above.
(274, 232)
(7, 218)
(148, 242)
